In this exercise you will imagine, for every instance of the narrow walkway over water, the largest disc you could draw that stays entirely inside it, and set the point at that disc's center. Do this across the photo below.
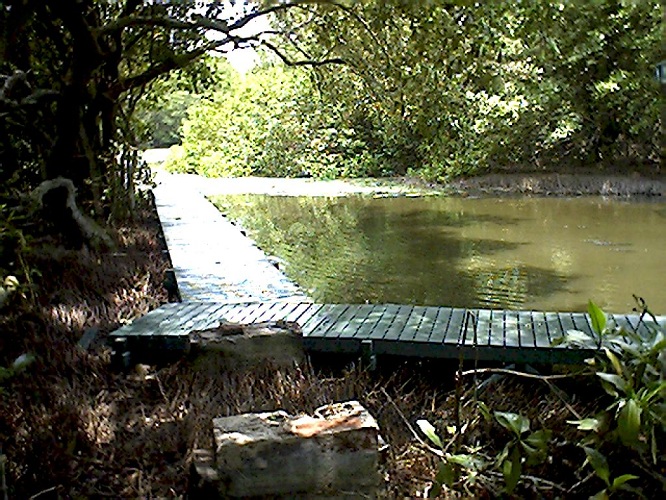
(224, 277)
(212, 259)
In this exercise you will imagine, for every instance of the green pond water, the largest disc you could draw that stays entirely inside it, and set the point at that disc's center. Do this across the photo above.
(511, 253)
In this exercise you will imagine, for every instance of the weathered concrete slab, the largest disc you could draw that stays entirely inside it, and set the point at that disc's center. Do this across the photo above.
(233, 346)
(331, 455)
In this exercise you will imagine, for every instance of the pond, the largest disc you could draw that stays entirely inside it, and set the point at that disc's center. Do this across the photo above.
(509, 253)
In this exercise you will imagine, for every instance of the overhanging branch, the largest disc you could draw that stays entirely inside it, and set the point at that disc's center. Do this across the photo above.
(289, 62)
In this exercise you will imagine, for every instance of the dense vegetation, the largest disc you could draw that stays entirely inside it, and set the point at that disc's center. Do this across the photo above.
(440, 90)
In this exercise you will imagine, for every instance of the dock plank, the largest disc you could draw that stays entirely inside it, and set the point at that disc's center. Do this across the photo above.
(195, 315)
(400, 320)
(364, 316)
(413, 324)
(341, 325)
(273, 310)
(468, 329)
(376, 315)
(323, 319)
(388, 318)
(511, 329)
(205, 319)
(235, 313)
(249, 313)
(483, 325)
(427, 324)
(454, 330)
(441, 325)
(440, 332)
(526, 329)
(298, 314)
(496, 334)
(554, 326)
(581, 322)
(540, 329)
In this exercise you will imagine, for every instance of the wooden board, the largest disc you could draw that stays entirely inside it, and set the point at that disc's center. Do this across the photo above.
(372, 323)
(540, 329)
(425, 330)
(439, 332)
(398, 324)
(526, 330)
(380, 330)
(365, 315)
(413, 324)
(441, 326)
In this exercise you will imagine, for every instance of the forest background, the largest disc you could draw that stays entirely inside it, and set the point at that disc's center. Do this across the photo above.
(436, 89)
(432, 90)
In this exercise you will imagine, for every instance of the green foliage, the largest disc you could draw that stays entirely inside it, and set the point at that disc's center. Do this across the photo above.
(160, 113)
(599, 464)
(531, 448)
(522, 446)
(17, 276)
(442, 90)
(447, 89)
(270, 122)
(453, 466)
(630, 367)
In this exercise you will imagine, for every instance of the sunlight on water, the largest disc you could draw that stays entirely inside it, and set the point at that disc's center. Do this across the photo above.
(543, 254)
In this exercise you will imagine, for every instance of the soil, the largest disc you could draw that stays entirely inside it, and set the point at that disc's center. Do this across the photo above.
(563, 185)
(72, 427)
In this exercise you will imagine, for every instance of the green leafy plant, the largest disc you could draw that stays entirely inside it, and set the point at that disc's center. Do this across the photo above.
(454, 466)
(600, 465)
(630, 366)
(524, 446)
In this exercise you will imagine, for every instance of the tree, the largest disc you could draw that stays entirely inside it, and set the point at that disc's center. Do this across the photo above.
(79, 68)
(451, 88)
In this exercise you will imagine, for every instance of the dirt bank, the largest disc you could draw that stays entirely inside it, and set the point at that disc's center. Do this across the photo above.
(563, 185)
(493, 184)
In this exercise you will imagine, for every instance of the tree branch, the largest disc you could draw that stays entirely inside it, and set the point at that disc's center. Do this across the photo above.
(276, 8)
(286, 60)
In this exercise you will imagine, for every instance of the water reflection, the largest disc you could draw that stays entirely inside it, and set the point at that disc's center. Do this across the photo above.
(548, 254)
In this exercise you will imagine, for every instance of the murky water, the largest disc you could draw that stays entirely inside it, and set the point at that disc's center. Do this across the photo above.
(543, 254)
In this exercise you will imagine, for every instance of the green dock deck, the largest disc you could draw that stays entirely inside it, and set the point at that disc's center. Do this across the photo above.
(388, 329)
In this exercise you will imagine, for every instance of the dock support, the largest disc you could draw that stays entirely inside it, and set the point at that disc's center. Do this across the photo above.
(368, 356)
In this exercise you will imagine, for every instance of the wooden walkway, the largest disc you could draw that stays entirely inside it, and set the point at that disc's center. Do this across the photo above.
(389, 329)
(212, 259)
(224, 277)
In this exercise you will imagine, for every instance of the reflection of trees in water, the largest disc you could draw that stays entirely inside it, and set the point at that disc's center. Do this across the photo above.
(317, 237)
(358, 249)
(511, 287)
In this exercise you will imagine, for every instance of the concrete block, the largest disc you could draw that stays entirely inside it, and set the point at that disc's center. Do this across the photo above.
(232, 346)
(331, 455)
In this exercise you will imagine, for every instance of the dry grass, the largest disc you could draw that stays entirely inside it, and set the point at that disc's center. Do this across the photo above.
(72, 428)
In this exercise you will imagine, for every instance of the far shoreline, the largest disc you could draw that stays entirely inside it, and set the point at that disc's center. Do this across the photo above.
(539, 184)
